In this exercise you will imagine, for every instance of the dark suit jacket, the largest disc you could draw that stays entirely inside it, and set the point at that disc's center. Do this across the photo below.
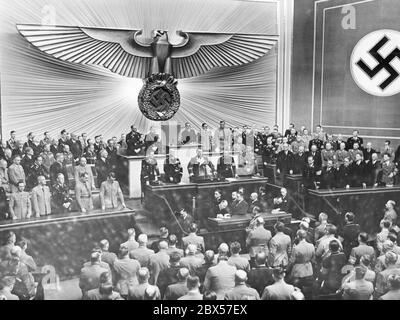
(167, 277)
(358, 174)
(285, 162)
(343, 176)
(240, 208)
(254, 204)
(176, 290)
(259, 278)
(328, 178)
(55, 169)
(317, 159)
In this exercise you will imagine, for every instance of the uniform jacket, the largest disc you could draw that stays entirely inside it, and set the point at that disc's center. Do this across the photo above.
(141, 254)
(83, 195)
(157, 262)
(109, 194)
(90, 277)
(15, 174)
(257, 240)
(41, 200)
(193, 238)
(126, 270)
(20, 204)
(220, 278)
(278, 291)
(241, 290)
(280, 248)
(301, 258)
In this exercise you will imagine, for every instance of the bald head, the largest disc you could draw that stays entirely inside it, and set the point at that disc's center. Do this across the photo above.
(183, 273)
(163, 245)
(143, 275)
(209, 256)
(240, 277)
(223, 248)
(142, 239)
(261, 258)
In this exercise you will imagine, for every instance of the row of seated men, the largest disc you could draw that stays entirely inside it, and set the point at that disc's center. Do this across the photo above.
(43, 201)
(260, 201)
(200, 168)
(305, 263)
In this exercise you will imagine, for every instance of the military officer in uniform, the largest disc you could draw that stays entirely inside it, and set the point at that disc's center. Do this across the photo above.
(110, 191)
(327, 154)
(268, 153)
(316, 141)
(341, 154)
(20, 203)
(150, 173)
(16, 174)
(353, 152)
(61, 198)
(173, 170)
(83, 193)
(354, 139)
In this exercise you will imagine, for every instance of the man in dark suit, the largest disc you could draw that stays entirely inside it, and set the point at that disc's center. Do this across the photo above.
(358, 172)
(102, 167)
(186, 220)
(373, 169)
(284, 162)
(241, 207)
(260, 276)
(281, 203)
(58, 167)
(169, 275)
(300, 160)
(328, 176)
(254, 202)
(316, 155)
(134, 142)
(354, 139)
(316, 142)
(367, 152)
(310, 174)
(344, 174)
(76, 147)
(178, 289)
(349, 233)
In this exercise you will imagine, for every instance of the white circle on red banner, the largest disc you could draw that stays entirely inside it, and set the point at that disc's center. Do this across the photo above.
(375, 63)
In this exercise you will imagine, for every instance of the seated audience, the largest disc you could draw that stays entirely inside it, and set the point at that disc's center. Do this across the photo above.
(241, 207)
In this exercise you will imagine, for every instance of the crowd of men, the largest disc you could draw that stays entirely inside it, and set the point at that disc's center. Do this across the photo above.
(41, 177)
(305, 261)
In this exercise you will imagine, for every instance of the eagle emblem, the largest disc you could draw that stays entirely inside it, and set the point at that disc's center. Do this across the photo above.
(157, 61)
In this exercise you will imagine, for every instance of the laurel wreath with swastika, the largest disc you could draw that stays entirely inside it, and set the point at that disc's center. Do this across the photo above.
(159, 98)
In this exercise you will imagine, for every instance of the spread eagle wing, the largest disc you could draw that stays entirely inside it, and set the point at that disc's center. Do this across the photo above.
(114, 49)
(202, 52)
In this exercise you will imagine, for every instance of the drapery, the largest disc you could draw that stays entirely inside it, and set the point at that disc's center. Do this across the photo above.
(40, 93)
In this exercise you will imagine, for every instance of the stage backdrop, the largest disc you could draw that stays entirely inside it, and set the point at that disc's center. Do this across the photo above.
(323, 88)
(42, 93)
